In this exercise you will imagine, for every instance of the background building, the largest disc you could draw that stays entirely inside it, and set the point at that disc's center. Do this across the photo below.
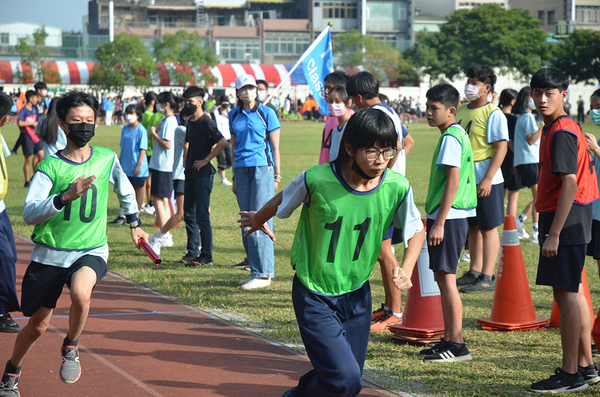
(563, 16)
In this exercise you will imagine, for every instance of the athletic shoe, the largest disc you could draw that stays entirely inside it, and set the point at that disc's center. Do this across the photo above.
(521, 230)
(155, 243)
(246, 280)
(379, 313)
(8, 387)
(384, 324)
(480, 285)
(535, 237)
(467, 278)
(119, 220)
(242, 264)
(70, 370)
(451, 352)
(226, 182)
(206, 262)
(466, 257)
(590, 374)
(595, 351)
(560, 382)
(247, 268)
(187, 258)
(167, 240)
(256, 283)
(441, 345)
(7, 324)
(149, 209)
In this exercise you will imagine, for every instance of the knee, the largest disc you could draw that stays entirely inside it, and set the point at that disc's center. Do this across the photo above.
(352, 382)
(80, 297)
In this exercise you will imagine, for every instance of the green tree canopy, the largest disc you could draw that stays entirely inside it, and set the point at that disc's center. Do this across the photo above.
(490, 35)
(378, 57)
(124, 61)
(579, 56)
(189, 51)
(33, 52)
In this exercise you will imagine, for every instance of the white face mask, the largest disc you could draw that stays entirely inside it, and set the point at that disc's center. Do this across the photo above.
(158, 108)
(247, 95)
(531, 104)
(261, 95)
(471, 92)
(131, 118)
(44, 92)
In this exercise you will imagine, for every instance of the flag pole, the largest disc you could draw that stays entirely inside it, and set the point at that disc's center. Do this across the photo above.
(308, 50)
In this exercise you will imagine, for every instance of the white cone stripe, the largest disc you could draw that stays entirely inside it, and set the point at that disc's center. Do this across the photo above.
(510, 238)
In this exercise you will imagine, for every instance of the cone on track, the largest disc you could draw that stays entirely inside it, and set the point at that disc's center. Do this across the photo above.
(555, 315)
(423, 319)
(512, 309)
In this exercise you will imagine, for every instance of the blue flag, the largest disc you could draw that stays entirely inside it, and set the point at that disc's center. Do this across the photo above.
(317, 62)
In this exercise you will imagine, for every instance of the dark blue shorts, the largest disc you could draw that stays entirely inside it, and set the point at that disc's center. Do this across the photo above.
(490, 209)
(29, 147)
(179, 186)
(563, 270)
(395, 234)
(9, 301)
(445, 256)
(162, 184)
(529, 173)
(512, 180)
(136, 180)
(593, 248)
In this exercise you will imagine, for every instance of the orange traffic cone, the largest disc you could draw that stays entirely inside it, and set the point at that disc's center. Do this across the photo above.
(512, 309)
(423, 319)
(555, 315)
(596, 330)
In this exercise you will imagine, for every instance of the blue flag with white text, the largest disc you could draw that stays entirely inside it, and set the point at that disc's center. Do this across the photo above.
(317, 62)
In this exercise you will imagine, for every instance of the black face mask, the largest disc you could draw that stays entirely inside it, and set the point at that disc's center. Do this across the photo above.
(81, 133)
(360, 172)
(190, 108)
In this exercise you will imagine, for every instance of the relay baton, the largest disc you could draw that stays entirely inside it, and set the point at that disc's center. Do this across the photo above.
(149, 251)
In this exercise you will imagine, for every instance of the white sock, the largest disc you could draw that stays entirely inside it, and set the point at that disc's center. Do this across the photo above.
(398, 315)
(522, 217)
(121, 212)
(535, 227)
(159, 234)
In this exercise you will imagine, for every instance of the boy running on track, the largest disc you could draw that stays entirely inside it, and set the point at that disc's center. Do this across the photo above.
(67, 202)
(348, 207)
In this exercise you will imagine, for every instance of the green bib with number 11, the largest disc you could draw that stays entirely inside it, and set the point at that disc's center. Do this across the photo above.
(82, 223)
(340, 231)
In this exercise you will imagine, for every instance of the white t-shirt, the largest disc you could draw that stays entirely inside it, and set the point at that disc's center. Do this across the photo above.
(524, 152)
(162, 158)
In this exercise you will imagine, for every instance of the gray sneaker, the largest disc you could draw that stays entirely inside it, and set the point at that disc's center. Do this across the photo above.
(70, 370)
(480, 285)
(8, 387)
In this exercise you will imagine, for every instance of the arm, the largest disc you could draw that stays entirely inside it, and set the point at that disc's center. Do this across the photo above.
(409, 143)
(232, 159)
(436, 234)
(565, 202)
(402, 276)
(138, 167)
(274, 141)
(532, 138)
(222, 144)
(591, 140)
(258, 220)
(186, 147)
(164, 143)
(485, 186)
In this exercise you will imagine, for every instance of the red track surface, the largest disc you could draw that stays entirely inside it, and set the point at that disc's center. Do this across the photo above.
(140, 343)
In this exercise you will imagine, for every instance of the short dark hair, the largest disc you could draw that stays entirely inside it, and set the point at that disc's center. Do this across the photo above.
(194, 91)
(40, 86)
(595, 93)
(444, 93)
(149, 97)
(384, 98)
(263, 82)
(363, 83)
(341, 90)
(5, 105)
(134, 109)
(483, 73)
(506, 97)
(367, 128)
(171, 99)
(75, 99)
(30, 93)
(337, 78)
(223, 98)
(521, 104)
(550, 78)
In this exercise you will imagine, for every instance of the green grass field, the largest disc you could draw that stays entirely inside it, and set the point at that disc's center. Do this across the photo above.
(504, 364)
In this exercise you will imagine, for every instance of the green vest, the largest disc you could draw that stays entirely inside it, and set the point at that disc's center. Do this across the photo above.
(82, 223)
(340, 231)
(466, 196)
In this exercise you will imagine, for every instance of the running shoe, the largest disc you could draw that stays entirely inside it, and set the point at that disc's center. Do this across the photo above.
(590, 374)
(379, 313)
(8, 387)
(70, 370)
(523, 235)
(560, 382)
(7, 324)
(119, 220)
(384, 324)
(481, 285)
(467, 278)
(451, 352)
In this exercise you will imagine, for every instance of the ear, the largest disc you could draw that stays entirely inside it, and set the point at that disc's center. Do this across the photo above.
(3, 121)
(64, 126)
(565, 94)
(349, 103)
(452, 111)
(349, 150)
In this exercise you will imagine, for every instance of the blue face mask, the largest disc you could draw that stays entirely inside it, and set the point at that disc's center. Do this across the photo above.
(595, 116)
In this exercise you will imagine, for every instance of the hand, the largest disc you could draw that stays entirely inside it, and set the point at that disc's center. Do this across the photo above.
(198, 164)
(435, 236)
(484, 188)
(136, 234)
(401, 279)
(276, 185)
(153, 132)
(137, 170)
(550, 247)
(250, 222)
(78, 188)
(592, 143)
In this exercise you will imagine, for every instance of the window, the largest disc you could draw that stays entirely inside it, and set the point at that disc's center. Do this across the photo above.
(380, 10)
(551, 18)
(340, 10)
(286, 43)
(541, 16)
(402, 13)
(4, 38)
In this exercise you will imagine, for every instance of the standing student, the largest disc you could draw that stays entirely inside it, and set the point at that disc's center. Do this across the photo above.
(262, 93)
(512, 182)
(67, 204)
(48, 130)
(32, 145)
(451, 199)
(42, 90)
(488, 132)
(353, 200)
(221, 116)
(567, 185)
(339, 107)
(331, 80)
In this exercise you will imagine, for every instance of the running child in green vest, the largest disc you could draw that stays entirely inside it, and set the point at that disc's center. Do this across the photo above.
(67, 203)
(451, 199)
(348, 207)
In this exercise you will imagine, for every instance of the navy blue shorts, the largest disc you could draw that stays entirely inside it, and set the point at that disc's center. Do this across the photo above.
(593, 248)
(43, 284)
(529, 173)
(490, 209)
(29, 147)
(395, 234)
(136, 180)
(162, 184)
(179, 186)
(512, 180)
(445, 256)
(563, 270)
(9, 301)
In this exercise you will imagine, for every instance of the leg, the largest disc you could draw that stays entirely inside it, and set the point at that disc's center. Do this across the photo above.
(191, 227)
(476, 248)
(513, 198)
(139, 196)
(37, 325)
(585, 338)
(161, 204)
(177, 217)
(570, 327)
(82, 284)
(37, 159)
(451, 306)
(490, 249)
(203, 189)
(534, 215)
(26, 166)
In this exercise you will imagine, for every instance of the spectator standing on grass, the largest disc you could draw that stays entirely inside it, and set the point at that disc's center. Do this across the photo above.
(50, 132)
(221, 116)
(32, 144)
(150, 118)
(331, 80)
(580, 110)
(262, 93)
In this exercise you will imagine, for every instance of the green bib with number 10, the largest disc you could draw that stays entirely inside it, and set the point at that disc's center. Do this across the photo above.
(82, 223)
(340, 231)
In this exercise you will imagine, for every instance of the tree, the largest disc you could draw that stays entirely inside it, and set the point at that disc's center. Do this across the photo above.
(378, 57)
(189, 52)
(33, 52)
(490, 35)
(579, 56)
(125, 61)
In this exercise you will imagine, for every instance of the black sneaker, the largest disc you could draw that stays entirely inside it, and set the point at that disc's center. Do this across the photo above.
(434, 349)
(590, 374)
(467, 278)
(480, 285)
(7, 324)
(560, 382)
(242, 264)
(187, 258)
(8, 387)
(70, 370)
(451, 352)
(118, 221)
(205, 262)
(195, 262)
(595, 351)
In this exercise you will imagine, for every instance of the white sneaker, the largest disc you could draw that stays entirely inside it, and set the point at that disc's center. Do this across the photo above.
(535, 237)
(167, 240)
(155, 243)
(246, 280)
(256, 283)
(466, 257)
(521, 230)
(225, 182)
(148, 209)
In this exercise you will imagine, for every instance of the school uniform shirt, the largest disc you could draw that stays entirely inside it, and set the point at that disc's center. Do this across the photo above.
(162, 158)
(524, 152)
(29, 116)
(251, 130)
(178, 171)
(132, 141)
(400, 164)
(201, 135)
(65, 233)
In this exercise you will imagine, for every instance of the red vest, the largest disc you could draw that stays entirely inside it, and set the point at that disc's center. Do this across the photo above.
(549, 185)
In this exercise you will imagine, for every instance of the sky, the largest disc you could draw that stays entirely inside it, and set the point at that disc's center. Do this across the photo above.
(65, 14)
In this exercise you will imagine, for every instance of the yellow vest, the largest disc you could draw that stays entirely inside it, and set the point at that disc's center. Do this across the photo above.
(3, 172)
(475, 123)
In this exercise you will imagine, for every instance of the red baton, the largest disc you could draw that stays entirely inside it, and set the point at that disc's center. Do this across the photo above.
(149, 251)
